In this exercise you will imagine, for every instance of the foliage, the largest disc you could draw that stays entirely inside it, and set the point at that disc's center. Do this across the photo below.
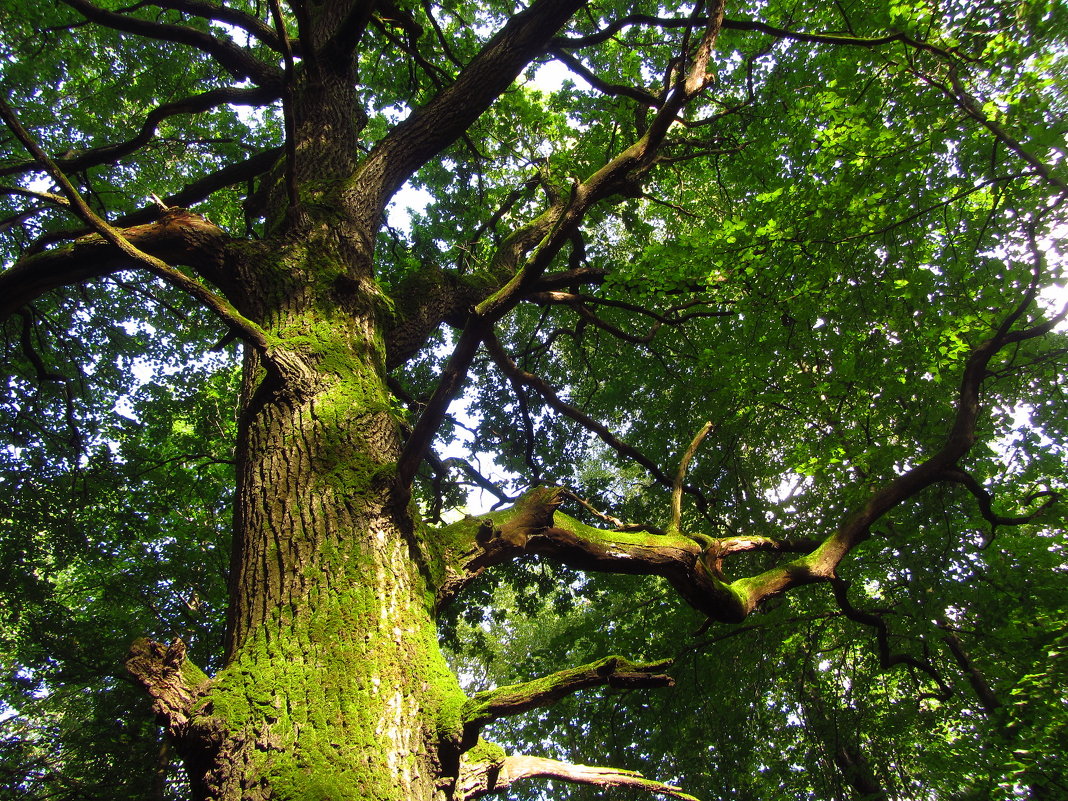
(831, 230)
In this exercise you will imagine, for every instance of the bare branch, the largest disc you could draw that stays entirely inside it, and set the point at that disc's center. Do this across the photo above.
(643, 96)
(887, 659)
(231, 16)
(448, 387)
(986, 500)
(481, 779)
(680, 476)
(251, 332)
(51, 197)
(512, 370)
(430, 129)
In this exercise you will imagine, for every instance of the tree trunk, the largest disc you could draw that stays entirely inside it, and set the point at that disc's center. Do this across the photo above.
(333, 686)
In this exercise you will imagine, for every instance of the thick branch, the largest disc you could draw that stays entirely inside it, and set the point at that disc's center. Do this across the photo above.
(983, 691)
(485, 778)
(173, 682)
(232, 58)
(533, 526)
(231, 16)
(179, 236)
(544, 236)
(429, 130)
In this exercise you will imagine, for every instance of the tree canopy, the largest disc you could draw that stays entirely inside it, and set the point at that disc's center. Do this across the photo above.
(742, 317)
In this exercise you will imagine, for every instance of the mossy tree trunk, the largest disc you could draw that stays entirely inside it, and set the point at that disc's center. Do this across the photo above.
(333, 685)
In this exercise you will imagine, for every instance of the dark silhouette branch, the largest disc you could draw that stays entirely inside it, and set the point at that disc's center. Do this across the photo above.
(983, 691)
(193, 193)
(443, 120)
(251, 25)
(514, 372)
(230, 57)
(887, 658)
(196, 104)
(986, 501)
(448, 387)
(749, 26)
(643, 96)
(286, 364)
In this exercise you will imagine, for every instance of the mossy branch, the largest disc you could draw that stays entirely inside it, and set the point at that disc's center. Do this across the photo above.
(612, 671)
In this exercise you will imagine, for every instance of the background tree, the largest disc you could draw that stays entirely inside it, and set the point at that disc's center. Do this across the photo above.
(747, 316)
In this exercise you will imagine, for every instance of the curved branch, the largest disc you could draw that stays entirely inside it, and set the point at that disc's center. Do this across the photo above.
(533, 526)
(612, 671)
(643, 96)
(986, 500)
(887, 659)
(983, 691)
(251, 25)
(115, 237)
(750, 26)
(485, 778)
(286, 364)
(192, 193)
(178, 236)
(230, 57)
(195, 104)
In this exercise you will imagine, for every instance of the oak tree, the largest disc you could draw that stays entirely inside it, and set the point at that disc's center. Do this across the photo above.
(752, 303)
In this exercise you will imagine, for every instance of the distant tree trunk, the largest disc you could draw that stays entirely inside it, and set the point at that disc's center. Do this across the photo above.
(839, 745)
